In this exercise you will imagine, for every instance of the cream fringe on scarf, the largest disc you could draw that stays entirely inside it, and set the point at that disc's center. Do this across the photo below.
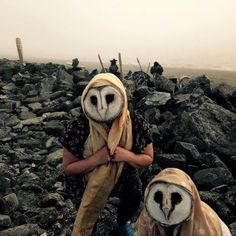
(102, 179)
(203, 221)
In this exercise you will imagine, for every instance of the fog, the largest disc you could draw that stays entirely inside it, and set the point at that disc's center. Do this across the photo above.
(197, 33)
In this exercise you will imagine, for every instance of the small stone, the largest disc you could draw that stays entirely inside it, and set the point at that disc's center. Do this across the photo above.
(55, 158)
(10, 203)
(32, 121)
(23, 230)
(53, 199)
(5, 221)
(35, 106)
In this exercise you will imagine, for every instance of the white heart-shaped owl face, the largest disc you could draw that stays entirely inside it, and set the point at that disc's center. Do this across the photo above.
(168, 204)
(103, 104)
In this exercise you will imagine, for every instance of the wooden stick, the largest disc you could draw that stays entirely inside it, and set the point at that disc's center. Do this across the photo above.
(103, 68)
(121, 70)
(148, 67)
(139, 64)
(19, 49)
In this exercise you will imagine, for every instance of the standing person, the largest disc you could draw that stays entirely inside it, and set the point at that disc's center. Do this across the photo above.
(108, 144)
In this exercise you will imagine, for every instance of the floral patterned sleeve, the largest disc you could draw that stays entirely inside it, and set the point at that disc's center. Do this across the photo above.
(75, 135)
(141, 133)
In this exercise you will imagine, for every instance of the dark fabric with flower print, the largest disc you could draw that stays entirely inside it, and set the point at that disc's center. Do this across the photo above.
(77, 131)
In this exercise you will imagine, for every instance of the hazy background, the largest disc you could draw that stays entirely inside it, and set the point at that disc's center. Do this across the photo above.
(179, 33)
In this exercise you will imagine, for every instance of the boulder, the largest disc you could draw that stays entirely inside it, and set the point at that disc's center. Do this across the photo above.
(212, 177)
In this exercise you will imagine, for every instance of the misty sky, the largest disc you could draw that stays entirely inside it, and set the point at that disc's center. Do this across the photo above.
(174, 32)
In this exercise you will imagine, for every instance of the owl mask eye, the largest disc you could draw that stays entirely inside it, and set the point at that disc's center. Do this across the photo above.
(94, 100)
(110, 98)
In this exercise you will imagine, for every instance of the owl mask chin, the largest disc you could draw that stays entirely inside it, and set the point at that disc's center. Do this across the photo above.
(103, 104)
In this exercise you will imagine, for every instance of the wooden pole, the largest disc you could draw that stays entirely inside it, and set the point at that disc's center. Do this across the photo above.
(139, 64)
(19, 49)
(103, 68)
(148, 67)
(121, 70)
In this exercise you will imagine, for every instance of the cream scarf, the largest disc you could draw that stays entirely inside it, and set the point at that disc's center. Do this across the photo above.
(203, 221)
(102, 179)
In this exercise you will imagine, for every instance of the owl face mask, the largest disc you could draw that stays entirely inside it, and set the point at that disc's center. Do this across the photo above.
(104, 99)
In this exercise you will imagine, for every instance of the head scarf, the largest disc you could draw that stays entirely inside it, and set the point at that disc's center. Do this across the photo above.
(103, 178)
(203, 220)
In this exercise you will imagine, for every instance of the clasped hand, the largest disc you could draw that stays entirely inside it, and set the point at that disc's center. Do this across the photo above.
(103, 156)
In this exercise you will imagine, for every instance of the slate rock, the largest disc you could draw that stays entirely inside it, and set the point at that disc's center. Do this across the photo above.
(53, 199)
(212, 177)
(190, 151)
(201, 82)
(5, 221)
(171, 160)
(154, 99)
(232, 228)
(9, 203)
(23, 230)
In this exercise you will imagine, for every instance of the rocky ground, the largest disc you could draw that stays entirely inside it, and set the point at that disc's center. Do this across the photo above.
(193, 126)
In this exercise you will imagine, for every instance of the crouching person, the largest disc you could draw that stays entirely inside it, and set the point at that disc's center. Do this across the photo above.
(173, 208)
(107, 144)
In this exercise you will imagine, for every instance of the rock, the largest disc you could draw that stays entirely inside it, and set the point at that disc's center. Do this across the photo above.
(54, 115)
(23, 230)
(190, 151)
(130, 87)
(53, 199)
(154, 99)
(171, 160)
(55, 157)
(35, 106)
(212, 177)
(212, 160)
(9, 203)
(47, 86)
(79, 87)
(209, 122)
(223, 95)
(26, 115)
(5, 221)
(28, 177)
(152, 115)
(193, 86)
(232, 228)
(32, 121)
(65, 79)
(53, 127)
(164, 85)
(5, 185)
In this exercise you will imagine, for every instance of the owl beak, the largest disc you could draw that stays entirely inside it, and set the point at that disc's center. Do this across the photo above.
(166, 211)
(102, 113)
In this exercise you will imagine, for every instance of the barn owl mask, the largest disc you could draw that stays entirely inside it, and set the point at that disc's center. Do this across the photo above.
(172, 200)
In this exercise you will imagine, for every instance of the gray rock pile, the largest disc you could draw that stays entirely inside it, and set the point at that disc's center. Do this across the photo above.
(193, 126)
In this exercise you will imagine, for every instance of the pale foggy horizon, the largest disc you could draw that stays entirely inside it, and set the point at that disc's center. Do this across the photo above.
(184, 33)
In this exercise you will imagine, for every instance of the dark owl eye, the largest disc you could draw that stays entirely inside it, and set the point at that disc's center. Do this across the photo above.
(176, 198)
(94, 100)
(109, 98)
(158, 197)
